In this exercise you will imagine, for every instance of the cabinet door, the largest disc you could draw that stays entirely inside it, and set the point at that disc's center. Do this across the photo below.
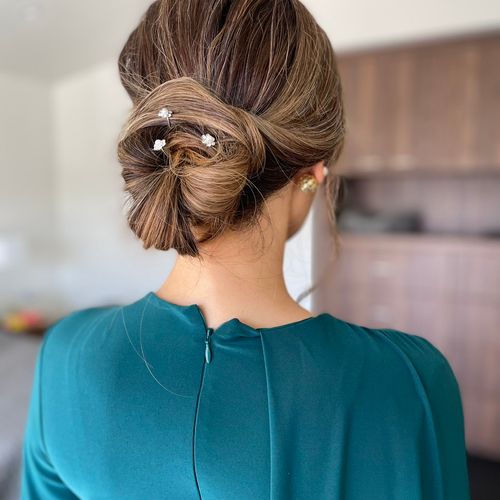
(442, 106)
(359, 75)
(431, 107)
(487, 125)
(377, 89)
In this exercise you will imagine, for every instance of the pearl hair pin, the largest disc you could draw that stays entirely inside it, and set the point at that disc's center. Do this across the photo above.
(208, 140)
(159, 144)
(165, 113)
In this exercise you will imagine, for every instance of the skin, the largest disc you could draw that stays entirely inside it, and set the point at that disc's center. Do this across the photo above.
(240, 278)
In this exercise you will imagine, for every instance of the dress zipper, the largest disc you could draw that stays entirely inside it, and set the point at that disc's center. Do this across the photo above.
(208, 352)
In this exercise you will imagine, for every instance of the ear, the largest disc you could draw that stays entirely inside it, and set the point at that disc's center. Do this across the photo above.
(319, 171)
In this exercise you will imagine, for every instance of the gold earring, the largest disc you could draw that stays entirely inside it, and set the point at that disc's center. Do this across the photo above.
(308, 183)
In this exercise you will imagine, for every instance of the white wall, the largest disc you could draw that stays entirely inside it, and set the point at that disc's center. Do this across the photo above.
(27, 235)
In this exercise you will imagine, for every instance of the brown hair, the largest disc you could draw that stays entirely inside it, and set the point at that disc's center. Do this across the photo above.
(258, 75)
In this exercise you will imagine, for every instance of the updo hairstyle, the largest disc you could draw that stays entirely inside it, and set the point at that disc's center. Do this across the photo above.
(260, 76)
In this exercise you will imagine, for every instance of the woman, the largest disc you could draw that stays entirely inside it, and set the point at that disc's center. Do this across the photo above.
(219, 385)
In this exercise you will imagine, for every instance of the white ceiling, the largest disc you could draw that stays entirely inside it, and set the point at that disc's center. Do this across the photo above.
(52, 38)
(49, 39)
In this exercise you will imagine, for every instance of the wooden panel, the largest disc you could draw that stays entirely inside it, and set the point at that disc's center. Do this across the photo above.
(487, 139)
(438, 110)
(434, 318)
(479, 277)
(359, 88)
(377, 97)
(431, 107)
(359, 304)
(398, 263)
(478, 334)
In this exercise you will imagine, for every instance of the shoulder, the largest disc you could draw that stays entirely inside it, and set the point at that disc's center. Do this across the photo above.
(397, 352)
(426, 362)
(80, 321)
(438, 391)
(434, 380)
(413, 380)
(406, 364)
(418, 350)
(84, 328)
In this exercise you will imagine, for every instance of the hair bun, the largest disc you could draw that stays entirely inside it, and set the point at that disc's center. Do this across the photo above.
(186, 185)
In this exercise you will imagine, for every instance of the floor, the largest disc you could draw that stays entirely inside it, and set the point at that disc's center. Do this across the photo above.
(17, 361)
(484, 478)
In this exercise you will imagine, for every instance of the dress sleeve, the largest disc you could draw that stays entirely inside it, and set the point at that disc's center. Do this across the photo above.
(446, 406)
(441, 392)
(39, 478)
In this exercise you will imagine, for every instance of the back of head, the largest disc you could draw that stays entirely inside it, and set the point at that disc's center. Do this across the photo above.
(260, 77)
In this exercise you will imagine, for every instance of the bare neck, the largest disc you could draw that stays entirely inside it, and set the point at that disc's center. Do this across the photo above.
(236, 279)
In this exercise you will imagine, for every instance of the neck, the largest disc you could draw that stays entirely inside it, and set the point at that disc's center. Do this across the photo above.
(240, 275)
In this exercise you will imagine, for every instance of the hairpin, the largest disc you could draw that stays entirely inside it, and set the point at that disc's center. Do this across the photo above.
(159, 144)
(165, 113)
(208, 140)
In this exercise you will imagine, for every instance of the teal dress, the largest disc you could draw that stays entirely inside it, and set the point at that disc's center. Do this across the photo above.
(145, 401)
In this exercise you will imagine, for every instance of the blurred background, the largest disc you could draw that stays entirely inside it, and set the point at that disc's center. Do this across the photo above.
(418, 214)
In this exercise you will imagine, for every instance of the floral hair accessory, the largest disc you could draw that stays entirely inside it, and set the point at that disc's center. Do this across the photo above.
(208, 140)
(159, 144)
(165, 113)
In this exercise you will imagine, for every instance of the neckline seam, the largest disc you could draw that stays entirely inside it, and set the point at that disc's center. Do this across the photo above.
(166, 305)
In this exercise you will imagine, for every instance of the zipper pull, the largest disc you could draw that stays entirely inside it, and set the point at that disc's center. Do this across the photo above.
(208, 352)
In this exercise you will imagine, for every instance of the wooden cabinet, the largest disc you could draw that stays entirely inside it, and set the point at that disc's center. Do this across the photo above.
(432, 107)
(445, 289)
(377, 96)
(424, 109)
